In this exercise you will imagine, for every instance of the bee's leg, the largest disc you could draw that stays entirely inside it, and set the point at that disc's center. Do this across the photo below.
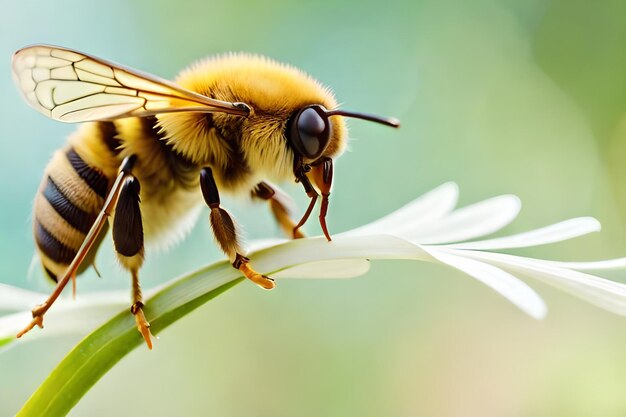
(322, 175)
(225, 231)
(280, 204)
(128, 242)
(90, 240)
(312, 194)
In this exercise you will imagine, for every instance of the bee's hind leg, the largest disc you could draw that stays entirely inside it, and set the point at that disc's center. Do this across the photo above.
(93, 238)
(280, 204)
(128, 242)
(225, 231)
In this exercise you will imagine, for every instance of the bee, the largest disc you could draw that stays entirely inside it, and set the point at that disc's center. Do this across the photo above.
(150, 151)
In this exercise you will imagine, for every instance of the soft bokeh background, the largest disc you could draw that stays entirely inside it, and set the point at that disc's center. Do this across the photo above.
(511, 96)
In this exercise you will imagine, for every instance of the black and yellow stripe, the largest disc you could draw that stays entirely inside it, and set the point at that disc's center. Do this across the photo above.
(72, 214)
(52, 247)
(72, 193)
(91, 176)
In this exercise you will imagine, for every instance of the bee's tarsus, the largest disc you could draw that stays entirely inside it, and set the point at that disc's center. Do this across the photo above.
(243, 264)
(142, 324)
(36, 321)
(262, 281)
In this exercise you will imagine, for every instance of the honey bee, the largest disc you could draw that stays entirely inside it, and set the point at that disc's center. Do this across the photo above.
(150, 151)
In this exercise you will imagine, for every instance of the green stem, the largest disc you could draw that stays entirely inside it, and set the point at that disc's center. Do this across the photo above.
(103, 348)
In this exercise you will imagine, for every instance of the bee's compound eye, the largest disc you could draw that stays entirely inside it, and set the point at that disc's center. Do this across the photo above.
(309, 131)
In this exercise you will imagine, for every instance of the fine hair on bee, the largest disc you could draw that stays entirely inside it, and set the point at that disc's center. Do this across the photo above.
(149, 152)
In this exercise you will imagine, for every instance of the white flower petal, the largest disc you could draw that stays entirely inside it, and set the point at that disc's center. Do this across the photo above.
(558, 232)
(315, 249)
(619, 263)
(259, 244)
(67, 317)
(473, 221)
(14, 298)
(502, 282)
(604, 293)
(428, 208)
(339, 268)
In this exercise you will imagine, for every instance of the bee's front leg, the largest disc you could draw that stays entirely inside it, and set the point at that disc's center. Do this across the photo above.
(225, 231)
(280, 204)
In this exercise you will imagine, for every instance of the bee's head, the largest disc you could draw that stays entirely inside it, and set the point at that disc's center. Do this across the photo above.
(308, 133)
(309, 129)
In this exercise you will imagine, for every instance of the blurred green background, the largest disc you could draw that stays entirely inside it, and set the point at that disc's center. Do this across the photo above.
(510, 96)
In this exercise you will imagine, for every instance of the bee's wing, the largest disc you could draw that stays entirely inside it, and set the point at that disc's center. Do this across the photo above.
(70, 86)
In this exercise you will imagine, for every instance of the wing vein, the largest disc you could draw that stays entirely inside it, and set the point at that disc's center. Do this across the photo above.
(93, 107)
(157, 95)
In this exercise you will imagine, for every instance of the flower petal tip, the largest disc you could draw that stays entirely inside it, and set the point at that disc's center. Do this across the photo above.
(594, 223)
(515, 201)
(539, 313)
(450, 187)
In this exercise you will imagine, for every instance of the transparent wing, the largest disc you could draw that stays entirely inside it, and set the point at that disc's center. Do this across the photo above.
(70, 86)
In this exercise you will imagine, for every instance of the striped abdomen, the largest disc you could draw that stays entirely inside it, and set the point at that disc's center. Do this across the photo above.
(69, 199)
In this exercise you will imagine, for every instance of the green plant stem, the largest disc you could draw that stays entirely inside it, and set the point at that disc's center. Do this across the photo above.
(103, 348)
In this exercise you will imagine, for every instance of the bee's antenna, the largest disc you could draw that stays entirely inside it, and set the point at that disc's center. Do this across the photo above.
(389, 121)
